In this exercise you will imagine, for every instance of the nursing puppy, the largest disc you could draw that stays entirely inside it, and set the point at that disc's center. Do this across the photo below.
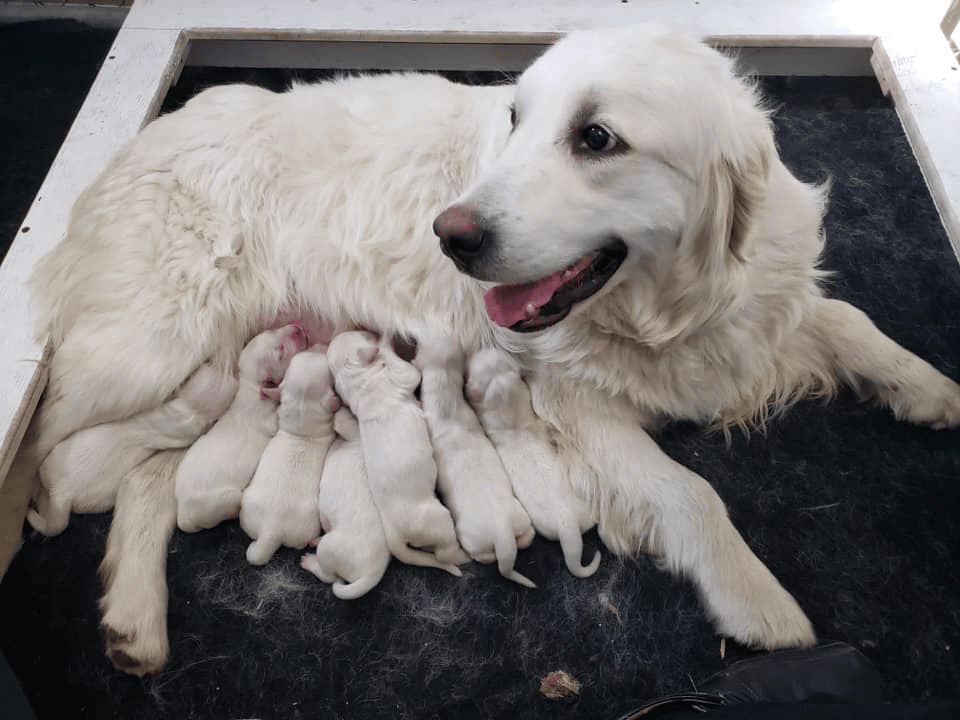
(502, 400)
(279, 507)
(645, 254)
(489, 520)
(83, 473)
(378, 386)
(352, 554)
(218, 467)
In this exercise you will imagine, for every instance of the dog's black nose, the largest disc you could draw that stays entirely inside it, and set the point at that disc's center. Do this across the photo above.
(461, 233)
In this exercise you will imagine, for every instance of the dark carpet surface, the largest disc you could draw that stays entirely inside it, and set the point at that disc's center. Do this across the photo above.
(855, 513)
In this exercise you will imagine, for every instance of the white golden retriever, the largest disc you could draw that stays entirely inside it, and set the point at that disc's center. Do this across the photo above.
(644, 252)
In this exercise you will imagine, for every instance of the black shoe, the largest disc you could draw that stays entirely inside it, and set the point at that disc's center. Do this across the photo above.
(832, 672)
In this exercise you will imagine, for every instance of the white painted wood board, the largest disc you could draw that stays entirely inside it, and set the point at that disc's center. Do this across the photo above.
(125, 94)
(911, 56)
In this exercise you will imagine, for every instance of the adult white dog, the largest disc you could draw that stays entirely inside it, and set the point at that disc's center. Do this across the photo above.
(624, 204)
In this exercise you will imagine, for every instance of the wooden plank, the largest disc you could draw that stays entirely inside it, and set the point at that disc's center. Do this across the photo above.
(127, 92)
(799, 59)
(266, 19)
(919, 71)
(111, 16)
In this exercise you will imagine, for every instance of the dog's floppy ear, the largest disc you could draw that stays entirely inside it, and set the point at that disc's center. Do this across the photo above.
(732, 195)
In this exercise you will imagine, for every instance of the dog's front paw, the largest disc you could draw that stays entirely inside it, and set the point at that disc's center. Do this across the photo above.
(771, 620)
(934, 403)
(922, 395)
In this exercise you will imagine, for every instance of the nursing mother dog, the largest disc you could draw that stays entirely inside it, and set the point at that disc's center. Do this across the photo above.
(619, 222)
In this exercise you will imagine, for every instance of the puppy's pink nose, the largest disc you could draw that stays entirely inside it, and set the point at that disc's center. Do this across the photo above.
(299, 338)
(461, 234)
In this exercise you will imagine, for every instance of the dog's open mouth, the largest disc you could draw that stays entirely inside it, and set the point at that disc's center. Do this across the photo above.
(534, 305)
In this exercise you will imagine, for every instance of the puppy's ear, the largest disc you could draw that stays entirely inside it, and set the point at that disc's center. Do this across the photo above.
(731, 197)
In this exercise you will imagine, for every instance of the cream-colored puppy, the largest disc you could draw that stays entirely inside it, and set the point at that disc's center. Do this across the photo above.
(84, 472)
(378, 386)
(490, 521)
(502, 399)
(280, 505)
(219, 465)
(353, 552)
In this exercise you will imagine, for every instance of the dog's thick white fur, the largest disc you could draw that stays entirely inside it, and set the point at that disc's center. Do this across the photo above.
(378, 387)
(279, 507)
(218, 467)
(537, 475)
(490, 522)
(83, 472)
(352, 554)
(631, 145)
(133, 571)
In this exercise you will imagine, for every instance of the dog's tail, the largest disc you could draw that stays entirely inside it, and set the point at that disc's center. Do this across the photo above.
(571, 541)
(505, 546)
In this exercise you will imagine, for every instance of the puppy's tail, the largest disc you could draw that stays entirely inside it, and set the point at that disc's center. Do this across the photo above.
(412, 556)
(571, 542)
(505, 546)
(358, 588)
(262, 549)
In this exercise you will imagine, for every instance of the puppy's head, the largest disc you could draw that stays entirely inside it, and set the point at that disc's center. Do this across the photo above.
(628, 147)
(307, 398)
(354, 349)
(352, 358)
(265, 359)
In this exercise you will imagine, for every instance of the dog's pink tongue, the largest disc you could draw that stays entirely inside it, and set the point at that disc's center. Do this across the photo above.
(509, 304)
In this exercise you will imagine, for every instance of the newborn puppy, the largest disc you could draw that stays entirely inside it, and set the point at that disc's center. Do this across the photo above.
(378, 386)
(502, 400)
(219, 465)
(280, 505)
(489, 520)
(353, 552)
(83, 472)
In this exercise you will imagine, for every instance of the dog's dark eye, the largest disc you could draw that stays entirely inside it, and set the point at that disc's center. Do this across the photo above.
(597, 138)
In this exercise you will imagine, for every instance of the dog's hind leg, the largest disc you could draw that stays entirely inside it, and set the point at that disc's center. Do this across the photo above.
(134, 604)
(645, 501)
(840, 339)
(98, 377)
